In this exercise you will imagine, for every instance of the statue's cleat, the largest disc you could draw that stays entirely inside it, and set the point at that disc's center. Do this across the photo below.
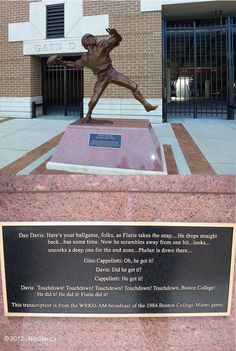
(85, 120)
(150, 107)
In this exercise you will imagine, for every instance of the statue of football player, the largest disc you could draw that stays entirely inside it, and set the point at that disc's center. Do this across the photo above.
(97, 58)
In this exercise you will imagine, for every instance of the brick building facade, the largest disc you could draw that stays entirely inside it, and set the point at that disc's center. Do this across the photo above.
(25, 46)
(20, 75)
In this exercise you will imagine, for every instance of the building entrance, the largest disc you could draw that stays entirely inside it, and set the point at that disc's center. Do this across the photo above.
(62, 89)
(199, 68)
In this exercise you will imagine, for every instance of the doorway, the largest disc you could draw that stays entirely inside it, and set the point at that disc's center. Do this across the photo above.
(62, 89)
(199, 68)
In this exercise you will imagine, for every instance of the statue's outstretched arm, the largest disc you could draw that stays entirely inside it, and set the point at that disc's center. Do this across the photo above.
(113, 41)
(57, 60)
(113, 33)
(75, 64)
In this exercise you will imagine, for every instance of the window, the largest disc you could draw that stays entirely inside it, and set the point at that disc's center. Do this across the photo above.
(55, 21)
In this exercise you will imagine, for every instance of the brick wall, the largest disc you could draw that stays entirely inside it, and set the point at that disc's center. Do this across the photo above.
(139, 54)
(19, 75)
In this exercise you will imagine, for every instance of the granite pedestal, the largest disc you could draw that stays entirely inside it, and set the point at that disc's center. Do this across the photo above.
(119, 147)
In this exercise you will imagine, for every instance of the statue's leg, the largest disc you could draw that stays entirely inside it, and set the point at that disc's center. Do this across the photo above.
(99, 88)
(122, 80)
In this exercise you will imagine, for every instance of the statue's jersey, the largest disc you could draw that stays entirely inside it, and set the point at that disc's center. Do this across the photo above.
(99, 59)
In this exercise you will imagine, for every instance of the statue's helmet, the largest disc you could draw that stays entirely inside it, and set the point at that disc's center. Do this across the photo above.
(88, 39)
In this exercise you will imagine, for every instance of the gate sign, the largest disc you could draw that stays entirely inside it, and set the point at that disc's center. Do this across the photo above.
(117, 269)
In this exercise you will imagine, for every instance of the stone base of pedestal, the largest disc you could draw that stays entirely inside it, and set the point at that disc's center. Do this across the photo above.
(121, 147)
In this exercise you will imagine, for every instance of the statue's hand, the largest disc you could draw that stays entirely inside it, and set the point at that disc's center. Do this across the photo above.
(58, 60)
(112, 31)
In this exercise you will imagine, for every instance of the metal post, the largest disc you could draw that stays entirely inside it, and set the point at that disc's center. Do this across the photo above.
(216, 73)
(81, 92)
(195, 68)
(200, 64)
(33, 109)
(44, 85)
(211, 54)
(233, 66)
(175, 64)
(164, 72)
(230, 79)
(221, 66)
(65, 92)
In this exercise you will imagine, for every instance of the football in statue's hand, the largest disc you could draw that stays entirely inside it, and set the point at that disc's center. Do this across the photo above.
(52, 59)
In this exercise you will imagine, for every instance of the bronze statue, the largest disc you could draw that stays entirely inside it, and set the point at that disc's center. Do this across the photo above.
(97, 58)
